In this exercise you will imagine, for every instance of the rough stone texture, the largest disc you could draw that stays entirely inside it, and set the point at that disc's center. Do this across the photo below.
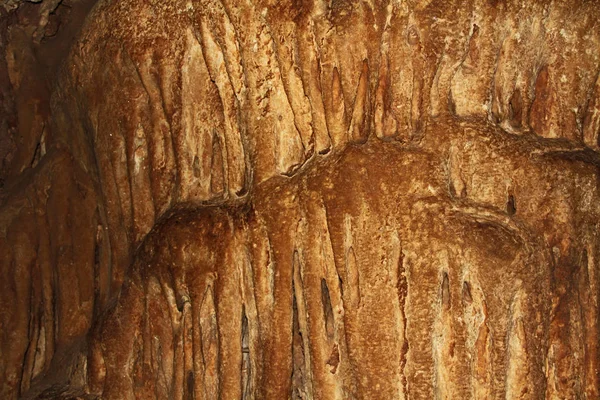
(50, 266)
(345, 199)
(368, 276)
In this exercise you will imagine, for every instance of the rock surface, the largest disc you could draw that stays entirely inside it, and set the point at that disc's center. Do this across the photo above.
(369, 276)
(346, 199)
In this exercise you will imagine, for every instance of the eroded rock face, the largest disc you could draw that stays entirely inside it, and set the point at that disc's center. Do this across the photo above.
(214, 97)
(369, 276)
(50, 264)
(321, 200)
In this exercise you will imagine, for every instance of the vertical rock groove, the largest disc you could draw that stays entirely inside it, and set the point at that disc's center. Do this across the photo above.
(360, 121)
(327, 310)
(247, 390)
(209, 353)
(299, 377)
(402, 287)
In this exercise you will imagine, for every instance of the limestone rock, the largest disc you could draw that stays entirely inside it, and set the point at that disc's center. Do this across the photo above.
(272, 199)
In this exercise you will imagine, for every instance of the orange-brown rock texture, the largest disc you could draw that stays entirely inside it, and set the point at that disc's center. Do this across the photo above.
(345, 199)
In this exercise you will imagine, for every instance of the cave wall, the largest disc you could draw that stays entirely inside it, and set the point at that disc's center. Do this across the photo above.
(361, 280)
(253, 199)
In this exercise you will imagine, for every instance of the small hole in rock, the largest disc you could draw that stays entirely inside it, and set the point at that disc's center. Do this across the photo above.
(327, 309)
(445, 291)
(325, 151)
(511, 205)
(196, 167)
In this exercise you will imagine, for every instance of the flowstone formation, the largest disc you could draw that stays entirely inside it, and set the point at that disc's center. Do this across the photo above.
(320, 200)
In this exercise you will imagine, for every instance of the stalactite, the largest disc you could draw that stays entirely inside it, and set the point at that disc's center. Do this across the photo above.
(243, 199)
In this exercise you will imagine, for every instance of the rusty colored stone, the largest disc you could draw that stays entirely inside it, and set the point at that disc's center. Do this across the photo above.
(323, 200)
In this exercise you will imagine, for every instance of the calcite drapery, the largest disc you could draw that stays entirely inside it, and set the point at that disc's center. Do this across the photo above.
(321, 200)
(370, 275)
